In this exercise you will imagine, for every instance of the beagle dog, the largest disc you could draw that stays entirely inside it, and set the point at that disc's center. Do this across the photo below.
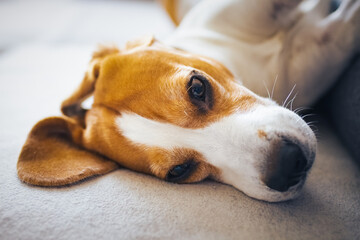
(182, 111)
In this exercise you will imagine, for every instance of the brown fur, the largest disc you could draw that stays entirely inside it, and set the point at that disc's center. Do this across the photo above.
(51, 157)
(171, 6)
(145, 78)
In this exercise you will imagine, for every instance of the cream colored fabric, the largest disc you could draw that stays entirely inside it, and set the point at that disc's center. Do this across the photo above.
(37, 72)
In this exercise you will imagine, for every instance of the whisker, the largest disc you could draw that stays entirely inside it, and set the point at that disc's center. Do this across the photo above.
(300, 109)
(308, 115)
(291, 102)
(289, 95)
(312, 122)
(273, 88)
(267, 90)
(315, 130)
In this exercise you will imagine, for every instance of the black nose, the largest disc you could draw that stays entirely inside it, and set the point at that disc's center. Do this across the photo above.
(288, 167)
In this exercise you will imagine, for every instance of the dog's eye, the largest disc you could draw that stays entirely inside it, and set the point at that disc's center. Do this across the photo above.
(197, 89)
(200, 93)
(180, 172)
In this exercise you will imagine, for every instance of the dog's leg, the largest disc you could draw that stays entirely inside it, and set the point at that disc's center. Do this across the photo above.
(252, 19)
(317, 50)
(259, 19)
(280, 11)
(177, 9)
(283, 12)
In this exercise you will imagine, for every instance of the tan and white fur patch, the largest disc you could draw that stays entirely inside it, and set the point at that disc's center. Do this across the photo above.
(231, 144)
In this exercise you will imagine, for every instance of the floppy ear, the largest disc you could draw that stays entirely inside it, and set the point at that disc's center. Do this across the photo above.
(52, 155)
(71, 106)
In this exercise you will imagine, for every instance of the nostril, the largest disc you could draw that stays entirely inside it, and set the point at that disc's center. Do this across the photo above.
(288, 168)
(293, 157)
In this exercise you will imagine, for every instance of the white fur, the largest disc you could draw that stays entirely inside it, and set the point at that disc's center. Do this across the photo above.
(231, 144)
(302, 44)
(293, 41)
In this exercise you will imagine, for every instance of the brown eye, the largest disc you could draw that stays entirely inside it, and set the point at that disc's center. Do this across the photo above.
(200, 93)
(197, 89)
(180, 172)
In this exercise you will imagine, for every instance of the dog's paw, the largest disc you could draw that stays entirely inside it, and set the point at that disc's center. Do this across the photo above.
(354, 14)
(283, 4)
(349, 12)
(283, 11)
(280, 6)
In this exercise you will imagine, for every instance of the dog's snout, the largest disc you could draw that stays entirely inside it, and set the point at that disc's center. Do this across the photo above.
(288, 167)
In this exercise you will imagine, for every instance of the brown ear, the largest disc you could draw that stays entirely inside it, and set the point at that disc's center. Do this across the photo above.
(52, 156)
(72, 105)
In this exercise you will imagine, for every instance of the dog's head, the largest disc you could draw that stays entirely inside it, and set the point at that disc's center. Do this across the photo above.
(174, 115)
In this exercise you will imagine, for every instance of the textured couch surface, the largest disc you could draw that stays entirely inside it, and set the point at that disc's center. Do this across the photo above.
(43, 56)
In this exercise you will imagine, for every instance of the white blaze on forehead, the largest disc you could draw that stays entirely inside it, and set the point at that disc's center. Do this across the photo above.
(231, 144)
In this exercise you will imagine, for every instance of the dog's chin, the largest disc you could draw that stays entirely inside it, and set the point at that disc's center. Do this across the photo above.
(264, 193)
